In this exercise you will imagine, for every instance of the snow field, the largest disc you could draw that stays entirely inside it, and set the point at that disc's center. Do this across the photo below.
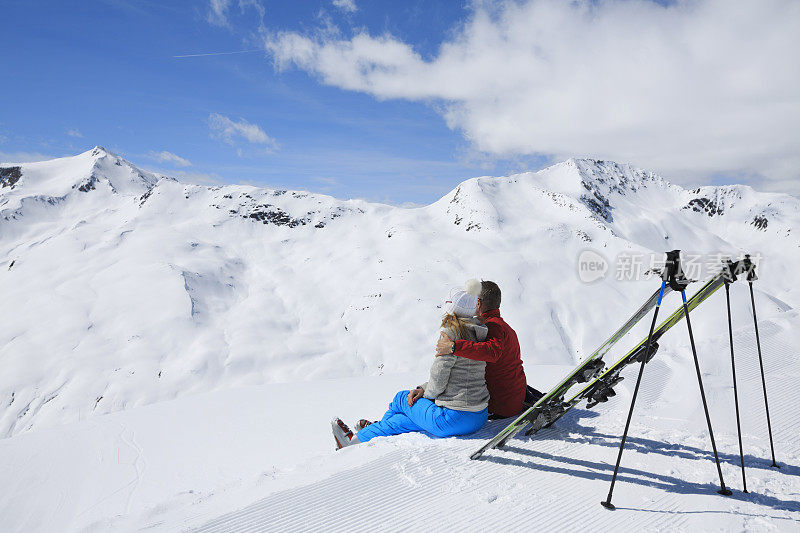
(142, 289)
(556, 479)
(172, 354)
(239, 460)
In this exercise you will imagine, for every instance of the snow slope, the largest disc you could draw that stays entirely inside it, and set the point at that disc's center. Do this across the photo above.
(125, 288)
(172, 353)
(239, 460)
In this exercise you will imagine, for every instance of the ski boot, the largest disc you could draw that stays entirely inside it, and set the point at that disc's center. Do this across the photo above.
(341, 433)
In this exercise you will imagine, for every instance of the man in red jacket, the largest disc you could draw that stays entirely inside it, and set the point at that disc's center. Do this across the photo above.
(505, 377)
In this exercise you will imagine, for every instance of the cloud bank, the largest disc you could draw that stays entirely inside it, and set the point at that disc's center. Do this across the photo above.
(168, 157)
(692, 89)
(23, 157)
(229, 130)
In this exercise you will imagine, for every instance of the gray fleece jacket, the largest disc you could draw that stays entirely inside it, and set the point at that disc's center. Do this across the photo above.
(457, 382)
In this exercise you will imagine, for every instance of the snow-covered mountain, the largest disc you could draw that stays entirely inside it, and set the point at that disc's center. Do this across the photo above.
(124, 288)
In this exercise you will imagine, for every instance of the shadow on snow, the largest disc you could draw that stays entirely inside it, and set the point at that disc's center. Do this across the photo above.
(570, 424)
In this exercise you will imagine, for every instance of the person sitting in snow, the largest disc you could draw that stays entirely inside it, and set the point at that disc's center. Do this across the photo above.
(505, 378)
(455, 399)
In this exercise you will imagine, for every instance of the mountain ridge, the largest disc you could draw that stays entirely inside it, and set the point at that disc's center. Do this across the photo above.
(617, 177)
(597, 184)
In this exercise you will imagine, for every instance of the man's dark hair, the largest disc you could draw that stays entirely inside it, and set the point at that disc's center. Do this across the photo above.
(490, 295)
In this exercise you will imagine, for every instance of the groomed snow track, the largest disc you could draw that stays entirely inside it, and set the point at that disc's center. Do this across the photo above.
(557, 479)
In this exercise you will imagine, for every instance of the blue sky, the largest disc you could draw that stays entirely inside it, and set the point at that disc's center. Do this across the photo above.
(87, 73)
(400, 101)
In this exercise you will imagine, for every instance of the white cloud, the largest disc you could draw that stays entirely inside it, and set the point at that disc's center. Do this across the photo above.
(196, 178)
(187, 176)
(24, 157)
(168, 157)
(226, 129)
(218, 13)
(75, 133)
(257, 6)
(689, 89)
(348, 6)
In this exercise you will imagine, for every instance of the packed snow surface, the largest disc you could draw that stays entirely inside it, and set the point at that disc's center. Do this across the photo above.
(172, 354)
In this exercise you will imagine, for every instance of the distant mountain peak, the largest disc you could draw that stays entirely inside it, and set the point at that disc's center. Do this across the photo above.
(100, 151)
(122, 176)
(598, 184)
(91, 170)
(716, 200)
(618, 177)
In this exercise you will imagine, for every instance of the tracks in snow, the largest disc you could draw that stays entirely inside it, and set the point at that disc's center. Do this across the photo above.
(541, 483)
(556, 479)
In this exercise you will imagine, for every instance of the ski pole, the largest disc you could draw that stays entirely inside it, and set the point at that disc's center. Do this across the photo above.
(735, 392)
(724, 491)
(761, 363)
(607, 503)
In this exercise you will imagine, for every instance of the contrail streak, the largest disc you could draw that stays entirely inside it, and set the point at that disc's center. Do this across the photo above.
(219, 53)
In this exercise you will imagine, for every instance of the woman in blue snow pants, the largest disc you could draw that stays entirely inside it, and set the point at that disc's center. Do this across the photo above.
(454, 400)
(424, 415)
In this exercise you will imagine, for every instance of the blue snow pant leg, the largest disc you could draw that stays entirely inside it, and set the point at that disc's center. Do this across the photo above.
(424, 415)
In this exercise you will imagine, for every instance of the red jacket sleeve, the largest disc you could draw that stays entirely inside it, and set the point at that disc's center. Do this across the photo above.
(489, 350)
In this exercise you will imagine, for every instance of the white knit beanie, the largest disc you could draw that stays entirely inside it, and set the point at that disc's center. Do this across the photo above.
(462, 302)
